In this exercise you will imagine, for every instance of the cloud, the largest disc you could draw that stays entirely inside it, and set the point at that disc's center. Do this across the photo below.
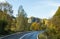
(2, 1)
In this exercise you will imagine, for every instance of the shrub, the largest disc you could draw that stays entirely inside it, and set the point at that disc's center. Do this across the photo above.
(42, 36)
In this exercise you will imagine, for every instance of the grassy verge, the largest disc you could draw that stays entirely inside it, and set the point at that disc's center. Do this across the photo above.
(49, 35)
(42, 36)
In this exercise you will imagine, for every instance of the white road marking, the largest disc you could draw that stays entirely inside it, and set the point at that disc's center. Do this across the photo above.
(12, 34)
(24, 35)
(37, 36)
(40, 33)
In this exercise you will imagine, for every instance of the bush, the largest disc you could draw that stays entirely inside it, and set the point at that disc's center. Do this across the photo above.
(42, 36)
(3, 24)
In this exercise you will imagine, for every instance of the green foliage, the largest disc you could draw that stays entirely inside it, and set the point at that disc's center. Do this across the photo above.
(42, 36)
(53, 28)
(5, 16)
(57, 12)
(21, 20)
(56, 19)
(4, 19)
(35, 26)
(3, 24)
(6, 8)
(43, 26)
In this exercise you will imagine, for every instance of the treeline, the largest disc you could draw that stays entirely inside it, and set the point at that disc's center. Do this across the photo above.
(53, 27)
(5, 22)
(10, 24)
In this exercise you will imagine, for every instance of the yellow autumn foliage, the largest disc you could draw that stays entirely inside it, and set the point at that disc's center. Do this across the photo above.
(35, 26)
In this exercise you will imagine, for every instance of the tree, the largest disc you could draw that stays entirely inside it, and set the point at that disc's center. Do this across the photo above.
(3, 24)
(56, 19)
(44, 24)
(35, 26)
(21, 20)
(5, 17)
(53, 29)
(6, 7)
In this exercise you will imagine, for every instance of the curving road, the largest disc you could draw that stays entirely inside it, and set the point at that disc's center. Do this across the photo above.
(25, 35)
(32, 35)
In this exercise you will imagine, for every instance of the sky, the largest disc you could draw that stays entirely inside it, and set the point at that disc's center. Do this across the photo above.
(36, 8)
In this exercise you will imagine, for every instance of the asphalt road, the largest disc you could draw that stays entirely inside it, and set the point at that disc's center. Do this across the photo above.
(32, 35)
(25, 35)
(14, 36)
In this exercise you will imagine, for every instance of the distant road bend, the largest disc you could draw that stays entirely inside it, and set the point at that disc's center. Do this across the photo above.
(25, 35)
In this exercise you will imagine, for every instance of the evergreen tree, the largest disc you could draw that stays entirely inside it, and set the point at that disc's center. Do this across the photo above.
(21, 20)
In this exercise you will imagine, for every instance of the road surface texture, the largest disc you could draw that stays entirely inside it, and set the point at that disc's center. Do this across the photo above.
(25, 35)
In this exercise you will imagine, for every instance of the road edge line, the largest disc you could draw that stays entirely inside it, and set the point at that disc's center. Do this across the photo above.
(24, 36)
(10, 35)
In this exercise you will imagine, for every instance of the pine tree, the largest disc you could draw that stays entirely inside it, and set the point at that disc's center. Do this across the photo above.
(21, 20)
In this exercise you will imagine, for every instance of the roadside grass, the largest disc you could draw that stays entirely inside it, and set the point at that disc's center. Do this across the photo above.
(42, 36)
(49, 35)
